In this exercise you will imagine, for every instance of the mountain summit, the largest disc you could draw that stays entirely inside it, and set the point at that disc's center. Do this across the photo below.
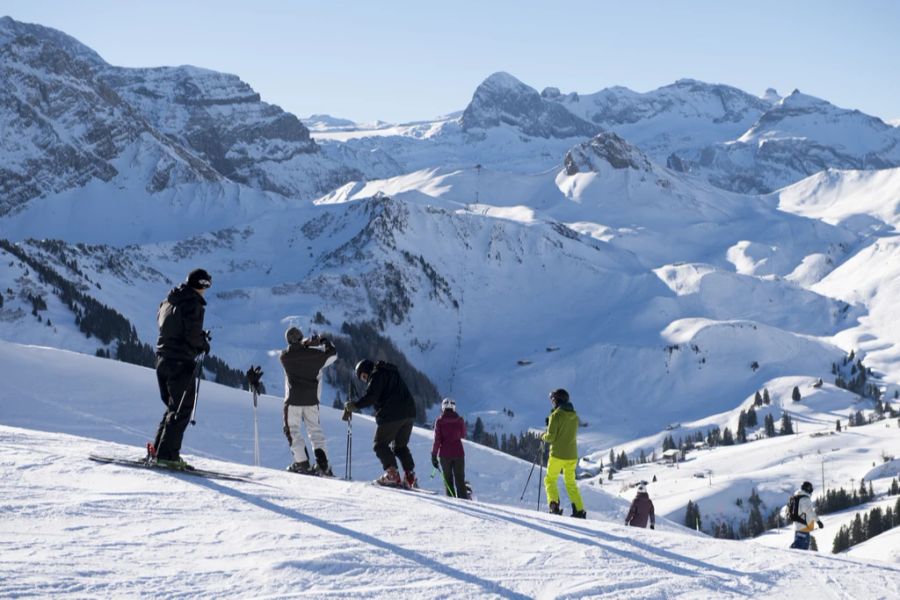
(501, 99)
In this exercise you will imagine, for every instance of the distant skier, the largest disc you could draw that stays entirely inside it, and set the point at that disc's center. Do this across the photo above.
(561, 434)
(447, 453)
(303, 361)
(641, 509)
(395, 412)
(181, 341)
(803, 513)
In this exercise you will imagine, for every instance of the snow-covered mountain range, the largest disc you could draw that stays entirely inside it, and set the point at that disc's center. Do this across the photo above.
(662, 255)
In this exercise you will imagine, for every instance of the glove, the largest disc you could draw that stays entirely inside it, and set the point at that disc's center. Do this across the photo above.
(349, 408)
(653, 527)
(287, 434)
(254, 376)
(434, 461)
(820, 524)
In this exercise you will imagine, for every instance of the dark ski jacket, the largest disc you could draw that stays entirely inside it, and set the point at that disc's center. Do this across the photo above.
(449, 432)
(562, 432)
(641, 510)
(303, 366)
(180, 320)
(388, 394)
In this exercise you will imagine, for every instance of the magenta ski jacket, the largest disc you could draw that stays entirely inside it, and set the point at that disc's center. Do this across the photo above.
(449, 432)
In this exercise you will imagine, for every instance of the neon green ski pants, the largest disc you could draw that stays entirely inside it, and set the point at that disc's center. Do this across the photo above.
(567, 468)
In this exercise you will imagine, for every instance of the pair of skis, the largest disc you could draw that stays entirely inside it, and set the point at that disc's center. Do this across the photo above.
(149, 465)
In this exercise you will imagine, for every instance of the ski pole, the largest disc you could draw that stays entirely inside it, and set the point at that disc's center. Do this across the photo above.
(196, 374)
(446, 485)
(348, 457)
(254, 376)
(530, 473)
(197, 390)
(540, 476)
(255, 430)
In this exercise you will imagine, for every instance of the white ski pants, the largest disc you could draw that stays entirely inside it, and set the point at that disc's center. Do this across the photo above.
(309, 416)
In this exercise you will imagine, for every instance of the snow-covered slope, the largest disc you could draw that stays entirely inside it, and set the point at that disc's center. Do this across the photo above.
(74, 527)
(673, 119)
(799, 136)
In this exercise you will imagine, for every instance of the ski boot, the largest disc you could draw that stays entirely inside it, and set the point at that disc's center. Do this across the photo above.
(176, 464)
(151, 454)
(322, 468)
(409, 480)
(390, 478)
(300, 467)
(578, 514)
(554, 508)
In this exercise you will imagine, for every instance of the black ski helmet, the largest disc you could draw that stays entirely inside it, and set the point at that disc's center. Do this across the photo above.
(807, 487)
(559, 396)
(364, 366)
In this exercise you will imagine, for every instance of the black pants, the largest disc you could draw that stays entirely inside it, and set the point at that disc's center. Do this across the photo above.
(176, 382)
(454, 470)
(392, 443)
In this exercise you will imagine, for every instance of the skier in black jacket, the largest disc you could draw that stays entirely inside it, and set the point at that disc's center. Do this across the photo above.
(303, 361)
(395, 412)
(181, 341)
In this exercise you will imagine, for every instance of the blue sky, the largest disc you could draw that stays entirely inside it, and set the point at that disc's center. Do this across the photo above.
(402, 61)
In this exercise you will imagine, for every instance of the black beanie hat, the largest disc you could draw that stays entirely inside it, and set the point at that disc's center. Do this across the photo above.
(199, 279)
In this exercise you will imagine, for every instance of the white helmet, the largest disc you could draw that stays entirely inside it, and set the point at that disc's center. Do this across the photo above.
(642, 488)
(448, 403)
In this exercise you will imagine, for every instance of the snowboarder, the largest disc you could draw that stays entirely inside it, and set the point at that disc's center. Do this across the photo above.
(303, 362)
(181, 340)
(641, 509)
(561, 434)
(805, 519)
(447, 453)
(395, 411)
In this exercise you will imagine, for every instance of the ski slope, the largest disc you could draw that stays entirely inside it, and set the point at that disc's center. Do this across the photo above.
(74, 528)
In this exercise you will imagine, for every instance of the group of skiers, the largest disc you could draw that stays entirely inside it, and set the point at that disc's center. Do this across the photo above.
(182, 340)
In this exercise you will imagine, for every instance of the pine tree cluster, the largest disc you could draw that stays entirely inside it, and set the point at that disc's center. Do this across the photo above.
(867, 526)
(840, 499)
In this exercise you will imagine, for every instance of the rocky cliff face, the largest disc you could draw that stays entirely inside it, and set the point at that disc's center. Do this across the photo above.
(63, 125)
(501, 99)
(68, 117)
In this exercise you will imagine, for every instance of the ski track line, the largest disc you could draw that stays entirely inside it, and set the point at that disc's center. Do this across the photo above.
(727, 575)
(489, 587)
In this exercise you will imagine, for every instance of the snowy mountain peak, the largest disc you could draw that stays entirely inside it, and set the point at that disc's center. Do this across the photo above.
(12, 30)
(771, 95)
(605, 150)
(501, 99)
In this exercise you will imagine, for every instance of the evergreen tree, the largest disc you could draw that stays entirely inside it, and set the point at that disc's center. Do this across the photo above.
(757, 399)
(838, 426)
(755, 525)
(766, 400)
(769, 422)
(795, 395)
(478, 433)
(692, 516)
(741, 429)
(857, 533)
(841, 540)
(787, 426)
(751, 417)
(727, 437)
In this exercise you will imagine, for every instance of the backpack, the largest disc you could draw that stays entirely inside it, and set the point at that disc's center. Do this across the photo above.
(793, 509)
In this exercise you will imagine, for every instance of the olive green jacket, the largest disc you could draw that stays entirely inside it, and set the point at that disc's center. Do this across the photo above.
(562, 431)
